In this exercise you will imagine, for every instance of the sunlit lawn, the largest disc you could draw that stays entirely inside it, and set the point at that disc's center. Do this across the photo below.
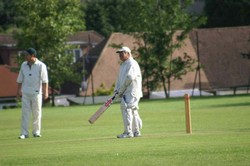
(221, 135)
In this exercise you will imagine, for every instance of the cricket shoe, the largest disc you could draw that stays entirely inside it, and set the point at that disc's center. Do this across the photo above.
(23, 137)
(137, 134)
(37, 135)
(125, 135)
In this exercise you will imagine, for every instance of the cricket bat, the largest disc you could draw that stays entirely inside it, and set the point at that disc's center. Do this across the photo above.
(101, 110)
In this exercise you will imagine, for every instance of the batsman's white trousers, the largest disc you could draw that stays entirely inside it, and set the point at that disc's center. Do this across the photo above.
(131, 119)
(31, 103)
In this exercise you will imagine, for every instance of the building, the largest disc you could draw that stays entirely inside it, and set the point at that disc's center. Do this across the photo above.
(220, 52)
(9, 53)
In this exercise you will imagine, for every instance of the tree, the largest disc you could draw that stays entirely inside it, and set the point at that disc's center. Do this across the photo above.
(104, 16)
(160, 27)
(7, 15)
(154, 24)
(45, 25)
(227, 13)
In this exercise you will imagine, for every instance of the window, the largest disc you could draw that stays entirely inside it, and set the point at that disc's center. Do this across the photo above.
(77, 54)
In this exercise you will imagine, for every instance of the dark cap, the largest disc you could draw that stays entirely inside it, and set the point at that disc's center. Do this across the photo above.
(31, 51)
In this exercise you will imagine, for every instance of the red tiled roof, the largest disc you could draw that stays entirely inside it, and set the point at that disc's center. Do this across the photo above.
(7, 39)
(86, 36)
(8, 85)
(220, 55)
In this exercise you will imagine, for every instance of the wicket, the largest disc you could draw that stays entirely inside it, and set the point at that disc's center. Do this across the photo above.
(188, 114)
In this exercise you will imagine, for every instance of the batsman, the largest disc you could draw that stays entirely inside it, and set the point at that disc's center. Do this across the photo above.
(129, 90)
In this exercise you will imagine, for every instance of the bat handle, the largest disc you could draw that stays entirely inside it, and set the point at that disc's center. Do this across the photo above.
(114, 95)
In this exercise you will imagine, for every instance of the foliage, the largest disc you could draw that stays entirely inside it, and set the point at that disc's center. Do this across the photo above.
(104, 91)
(45, 26)
(7, 15)
(227, 13)
(160, 28)
(104, 16)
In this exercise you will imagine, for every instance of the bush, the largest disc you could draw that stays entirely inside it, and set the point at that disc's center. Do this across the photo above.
(103, 90)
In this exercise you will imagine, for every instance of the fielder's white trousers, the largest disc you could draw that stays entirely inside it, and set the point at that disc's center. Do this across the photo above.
(131, 119)
(31, 104)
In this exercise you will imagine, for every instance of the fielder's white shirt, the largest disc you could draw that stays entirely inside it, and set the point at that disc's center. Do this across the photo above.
(130, 70)
(32, 77)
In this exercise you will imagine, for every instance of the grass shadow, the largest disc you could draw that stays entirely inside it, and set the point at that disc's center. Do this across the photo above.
(243, 104)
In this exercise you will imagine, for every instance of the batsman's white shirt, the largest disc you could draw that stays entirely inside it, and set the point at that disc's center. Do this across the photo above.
(130, 71)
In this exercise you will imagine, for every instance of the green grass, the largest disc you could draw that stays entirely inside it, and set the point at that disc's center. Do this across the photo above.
(221, 135)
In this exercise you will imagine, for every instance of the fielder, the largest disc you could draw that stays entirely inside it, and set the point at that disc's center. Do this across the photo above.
(129, 88)
(32, 84)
